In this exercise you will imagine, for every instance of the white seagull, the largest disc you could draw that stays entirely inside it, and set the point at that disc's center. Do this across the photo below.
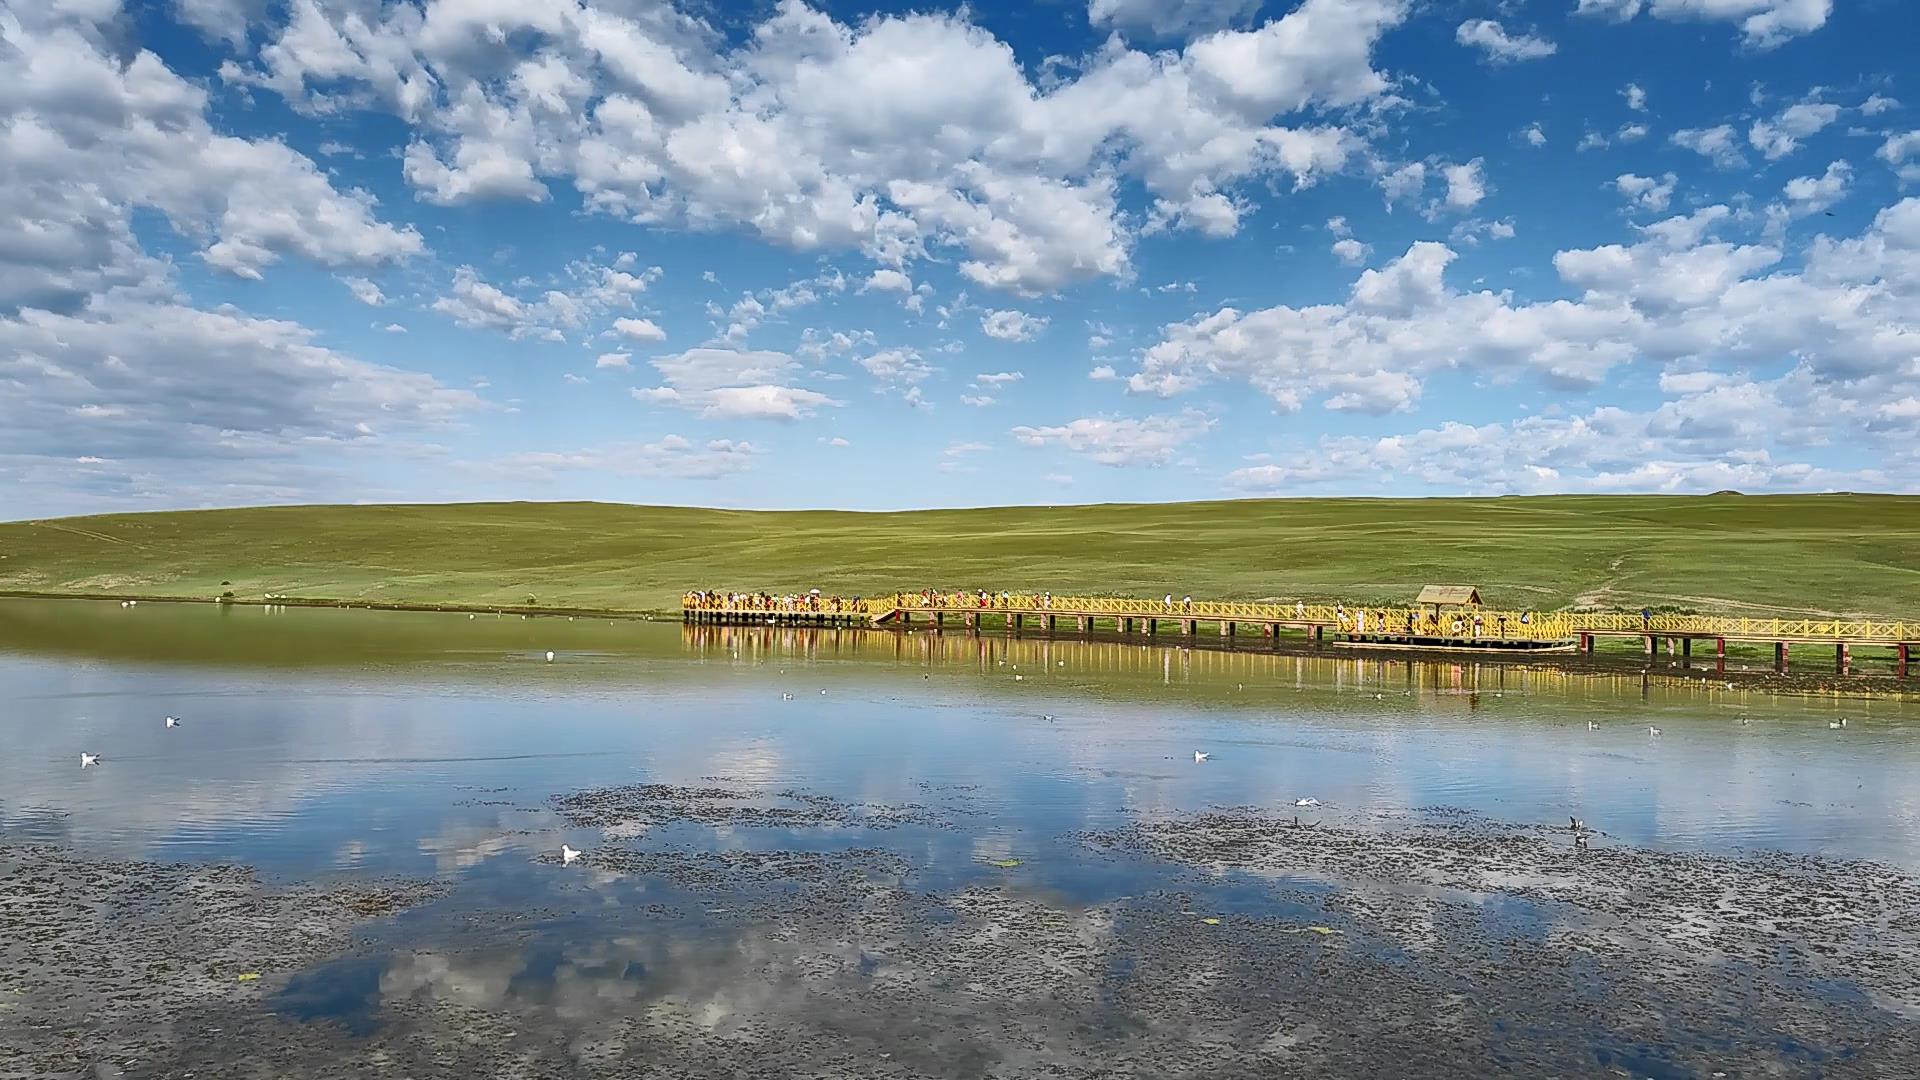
(786, 697)
(1654, 732)
(89, 760)
(1200, 756)
(549, 656)
(1306, 802)
(1593, 725)
(567, 855)
(173, 721)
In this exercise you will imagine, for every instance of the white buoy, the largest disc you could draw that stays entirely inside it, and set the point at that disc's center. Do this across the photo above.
(567, 855)
(1200, 756)
(89, 760)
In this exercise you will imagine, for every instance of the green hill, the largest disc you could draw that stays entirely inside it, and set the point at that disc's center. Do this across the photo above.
(1822, 554)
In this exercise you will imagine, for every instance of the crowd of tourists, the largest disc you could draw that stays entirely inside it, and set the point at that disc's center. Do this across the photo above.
(812, 601)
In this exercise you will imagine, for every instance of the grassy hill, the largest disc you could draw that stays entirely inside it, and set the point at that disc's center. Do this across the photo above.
(1826, 554)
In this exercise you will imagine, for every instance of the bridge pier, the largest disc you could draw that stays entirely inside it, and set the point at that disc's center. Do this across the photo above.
(1586, 642)
(1013, 622)
(1081, 622)
(1226, 628)
(973, 620)
(1720, 655)
(1842, 658)
(1188, 626)
(1153, 627)
(939, 620)
(1650, 642)
(1780, 656)
(1319, 634)
(1900, 660)
(1052, 623)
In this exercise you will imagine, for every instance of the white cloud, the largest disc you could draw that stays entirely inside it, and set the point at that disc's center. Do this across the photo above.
(1763, 23)
(1813, 194)
(987, 384)
(1636, 96)
(639, 330)
(1780, 136)
(1646, 193)
(896, 367)
(1466, 184)
(888, 280)
(1679, 296)
(733, 384)
(364, 291)
(477, 304)
(1169, 18)
(1500, 47)
(613, 360)
(394, 328)
(1631, 133)
(1350, 251)
(1719, 144)
(1121, 441)
(1877, 104)
(1534, 136)
(1010, 325)
(903, 136)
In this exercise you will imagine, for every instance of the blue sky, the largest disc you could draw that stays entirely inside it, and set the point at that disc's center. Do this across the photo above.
(844, 255)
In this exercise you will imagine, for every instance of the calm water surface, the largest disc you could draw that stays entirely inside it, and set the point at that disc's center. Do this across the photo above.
(320, 741)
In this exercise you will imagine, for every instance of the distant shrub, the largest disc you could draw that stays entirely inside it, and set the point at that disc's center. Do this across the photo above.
(227, 597)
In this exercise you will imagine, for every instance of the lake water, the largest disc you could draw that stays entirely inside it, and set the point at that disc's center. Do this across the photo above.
(321, 745)
(321, 739)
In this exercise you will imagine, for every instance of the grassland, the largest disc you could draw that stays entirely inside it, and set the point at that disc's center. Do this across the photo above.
(1817, 555)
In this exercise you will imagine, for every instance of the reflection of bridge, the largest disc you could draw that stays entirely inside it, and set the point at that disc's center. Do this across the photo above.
(1445, 628)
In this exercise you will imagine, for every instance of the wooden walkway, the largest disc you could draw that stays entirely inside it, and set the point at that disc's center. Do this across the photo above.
(1450, 629)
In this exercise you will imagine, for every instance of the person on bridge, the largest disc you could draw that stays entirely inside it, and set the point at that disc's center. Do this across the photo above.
(1646, 617)
(1168, 602)
(1300, 609)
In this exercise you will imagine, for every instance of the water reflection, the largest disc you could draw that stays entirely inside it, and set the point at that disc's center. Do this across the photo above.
(318, 740)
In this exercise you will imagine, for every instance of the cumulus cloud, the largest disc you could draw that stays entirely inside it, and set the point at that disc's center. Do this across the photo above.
(1009, 325)
(1718, 144)
(1763, 23)
(364, 291)
(1121, 441)
(1498, 46)
(613, 360)
(733, 384)
(900, 136)
(1466, 184)
(1780, 136)
(986, 386)
(1645, 192)
(1350, 251)
(1169, 18)
(639, 330)
(1680, 296)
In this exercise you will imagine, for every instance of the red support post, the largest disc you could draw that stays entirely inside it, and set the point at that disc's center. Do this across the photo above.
(1842, 658)
(1901, 652)
(1720, 654)
(1780, 656)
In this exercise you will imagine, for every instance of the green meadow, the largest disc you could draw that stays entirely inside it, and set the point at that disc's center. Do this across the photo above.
(1755, 555)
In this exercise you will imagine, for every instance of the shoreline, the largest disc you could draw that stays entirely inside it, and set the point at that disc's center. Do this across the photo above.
(1856, 685)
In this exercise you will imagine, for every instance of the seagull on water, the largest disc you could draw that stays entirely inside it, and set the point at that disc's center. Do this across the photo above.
(89, 760)
(1580, 841)
(1836, 725)
(823, 691)
(1200, 756)
(173, 721)
(549, 656)
(1047, 717)
(786, 697)
(1654, 732)
(1575, 823)
(568, 854)
(1593, 725)
(1306, 802)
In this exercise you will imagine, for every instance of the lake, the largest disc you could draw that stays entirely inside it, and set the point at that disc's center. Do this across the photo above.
(846, 852)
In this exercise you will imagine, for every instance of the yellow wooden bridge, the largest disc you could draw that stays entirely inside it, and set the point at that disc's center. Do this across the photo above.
(1452, 626)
